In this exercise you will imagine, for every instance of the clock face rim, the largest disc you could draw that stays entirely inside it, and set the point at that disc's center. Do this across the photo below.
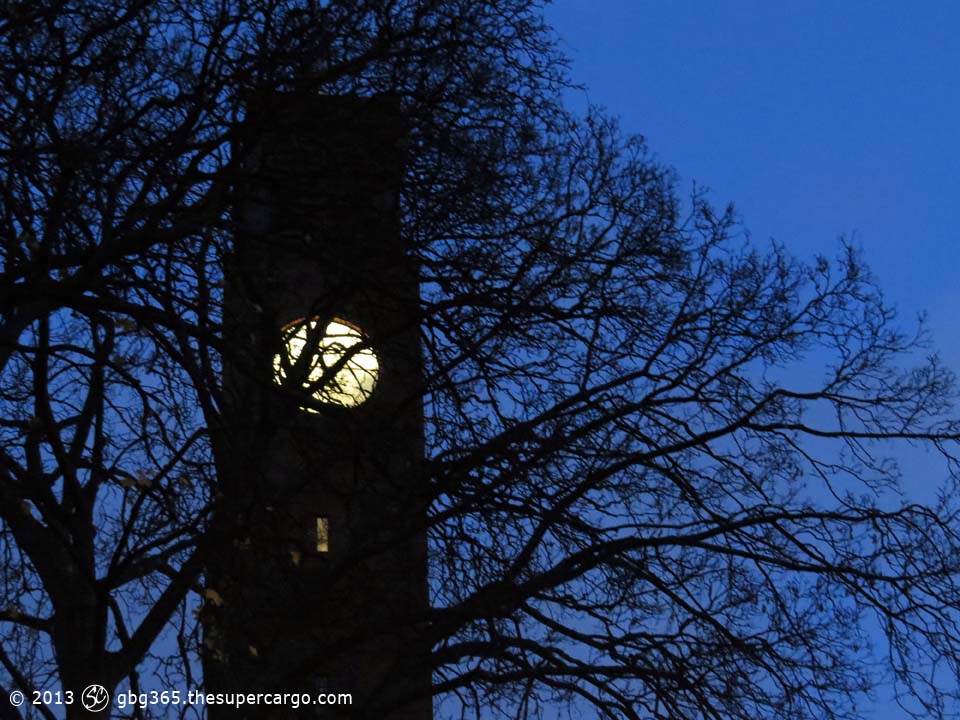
(330, 398)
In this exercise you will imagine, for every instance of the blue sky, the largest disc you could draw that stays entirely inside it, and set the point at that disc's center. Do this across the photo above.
(816, 119)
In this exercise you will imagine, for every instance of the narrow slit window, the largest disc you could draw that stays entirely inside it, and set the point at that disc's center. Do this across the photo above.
(323, 534)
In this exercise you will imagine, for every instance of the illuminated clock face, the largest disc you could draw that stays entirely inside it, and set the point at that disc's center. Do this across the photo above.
(340, 367)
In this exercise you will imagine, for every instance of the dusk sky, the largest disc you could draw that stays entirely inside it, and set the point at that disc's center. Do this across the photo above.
(816, 119)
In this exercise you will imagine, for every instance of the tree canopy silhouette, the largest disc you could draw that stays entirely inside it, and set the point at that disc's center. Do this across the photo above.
(661, 459)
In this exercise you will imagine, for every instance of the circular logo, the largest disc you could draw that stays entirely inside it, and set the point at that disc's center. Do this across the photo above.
(95, 698)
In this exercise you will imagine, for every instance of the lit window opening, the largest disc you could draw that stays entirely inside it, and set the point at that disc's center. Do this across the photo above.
(323, 534)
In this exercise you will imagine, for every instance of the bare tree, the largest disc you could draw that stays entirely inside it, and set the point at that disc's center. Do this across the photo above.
(639, 506)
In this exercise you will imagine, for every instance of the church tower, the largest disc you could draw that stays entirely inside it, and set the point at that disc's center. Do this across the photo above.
(321, 584)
